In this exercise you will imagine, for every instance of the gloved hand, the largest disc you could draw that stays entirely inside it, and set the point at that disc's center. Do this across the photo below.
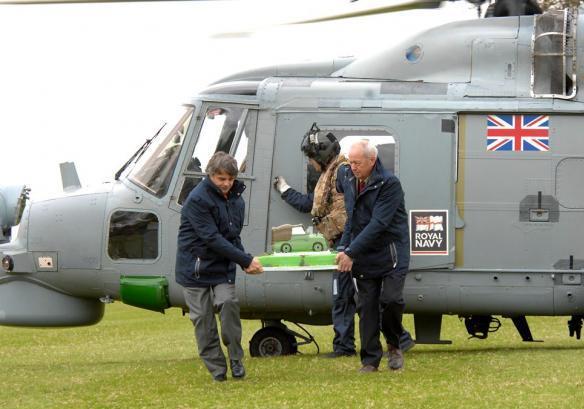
(280, 184)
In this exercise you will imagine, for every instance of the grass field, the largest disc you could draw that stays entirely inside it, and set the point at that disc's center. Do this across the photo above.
(140, 359)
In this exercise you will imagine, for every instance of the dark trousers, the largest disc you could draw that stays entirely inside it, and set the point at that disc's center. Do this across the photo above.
(343, 313)
(375, 295)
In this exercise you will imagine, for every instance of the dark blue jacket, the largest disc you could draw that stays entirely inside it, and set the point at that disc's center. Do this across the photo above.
(209, 244)
(376, 235)
(299, 201)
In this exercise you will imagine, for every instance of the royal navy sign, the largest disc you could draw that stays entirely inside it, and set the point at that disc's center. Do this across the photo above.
(429, 232)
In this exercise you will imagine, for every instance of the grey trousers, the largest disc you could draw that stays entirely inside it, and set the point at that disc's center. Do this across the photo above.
(202, 303)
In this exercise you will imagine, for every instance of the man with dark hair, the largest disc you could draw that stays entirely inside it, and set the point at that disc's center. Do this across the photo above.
(209, 246)
(375, 249)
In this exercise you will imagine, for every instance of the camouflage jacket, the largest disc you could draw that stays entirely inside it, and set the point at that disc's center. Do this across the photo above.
(328, 208)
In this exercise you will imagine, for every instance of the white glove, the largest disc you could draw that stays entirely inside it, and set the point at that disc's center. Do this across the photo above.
(280, 184)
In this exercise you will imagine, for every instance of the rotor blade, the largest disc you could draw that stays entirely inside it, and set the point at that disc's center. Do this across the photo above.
(81, 1)
(397, 6)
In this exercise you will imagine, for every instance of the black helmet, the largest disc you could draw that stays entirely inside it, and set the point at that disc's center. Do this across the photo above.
(321, 149)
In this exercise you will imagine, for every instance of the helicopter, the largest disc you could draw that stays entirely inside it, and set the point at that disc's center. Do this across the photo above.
(484, 142)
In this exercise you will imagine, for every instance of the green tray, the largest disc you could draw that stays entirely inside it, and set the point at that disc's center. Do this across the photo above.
(300, 259)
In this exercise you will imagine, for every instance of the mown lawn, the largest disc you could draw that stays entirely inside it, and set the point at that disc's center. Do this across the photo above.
(140, 359)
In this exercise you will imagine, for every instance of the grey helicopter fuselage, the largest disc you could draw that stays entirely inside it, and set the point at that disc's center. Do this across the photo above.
(495, 224)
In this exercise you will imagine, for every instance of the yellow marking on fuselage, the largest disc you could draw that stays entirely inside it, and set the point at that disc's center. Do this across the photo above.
(459, 233)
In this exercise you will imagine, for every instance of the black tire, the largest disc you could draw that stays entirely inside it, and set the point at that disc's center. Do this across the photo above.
(317, 247)
(272, 341)
(286, 248)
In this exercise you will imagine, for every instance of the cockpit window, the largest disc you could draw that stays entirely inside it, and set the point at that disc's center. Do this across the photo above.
(153, 171)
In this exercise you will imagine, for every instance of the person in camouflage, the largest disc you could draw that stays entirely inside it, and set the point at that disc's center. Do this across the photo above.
(327, 207)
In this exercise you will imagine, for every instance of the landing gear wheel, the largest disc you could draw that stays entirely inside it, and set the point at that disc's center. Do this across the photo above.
(317, 247)
(286, 248)
(272, 341)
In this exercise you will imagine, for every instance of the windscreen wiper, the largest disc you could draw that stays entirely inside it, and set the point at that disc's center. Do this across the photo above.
(138, 153)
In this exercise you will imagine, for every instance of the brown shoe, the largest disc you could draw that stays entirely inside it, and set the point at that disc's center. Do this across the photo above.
(396, 358)
(368, 369)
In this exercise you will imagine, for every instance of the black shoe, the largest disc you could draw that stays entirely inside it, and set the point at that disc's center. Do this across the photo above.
(237, 369)
(220, 378)
(336, 354)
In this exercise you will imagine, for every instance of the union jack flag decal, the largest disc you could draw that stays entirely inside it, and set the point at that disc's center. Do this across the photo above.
(518, 133)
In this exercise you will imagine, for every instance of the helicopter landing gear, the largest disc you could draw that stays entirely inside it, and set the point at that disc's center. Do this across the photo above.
(276, 339)
(479, 326)
(575, 325)
(522, 327)
(272, 341)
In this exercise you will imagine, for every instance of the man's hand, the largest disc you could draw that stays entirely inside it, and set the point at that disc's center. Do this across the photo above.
(280, 184)
(255, 267)
(344, 262)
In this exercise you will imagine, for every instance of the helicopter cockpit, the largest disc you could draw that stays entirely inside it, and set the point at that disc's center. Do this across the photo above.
(153, 170)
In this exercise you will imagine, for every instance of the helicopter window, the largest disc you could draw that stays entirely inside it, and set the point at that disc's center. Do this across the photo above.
(226, 129)
(554, 55)
(414, 53)
(153, 171)
(133, 235)
(384, 142)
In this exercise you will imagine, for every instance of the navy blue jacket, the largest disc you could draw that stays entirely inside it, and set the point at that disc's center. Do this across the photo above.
(209, 242)
(299, 201)
(376, 234)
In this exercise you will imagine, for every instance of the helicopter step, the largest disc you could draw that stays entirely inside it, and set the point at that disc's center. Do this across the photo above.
(276, 339)
(428, 327)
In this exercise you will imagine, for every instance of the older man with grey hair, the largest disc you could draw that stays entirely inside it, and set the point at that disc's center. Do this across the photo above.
(375, 248)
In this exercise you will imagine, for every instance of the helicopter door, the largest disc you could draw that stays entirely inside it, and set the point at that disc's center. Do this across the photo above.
(228, 128)
(420, 149)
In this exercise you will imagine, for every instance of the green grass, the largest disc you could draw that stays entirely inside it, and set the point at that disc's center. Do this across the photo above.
(140, 359)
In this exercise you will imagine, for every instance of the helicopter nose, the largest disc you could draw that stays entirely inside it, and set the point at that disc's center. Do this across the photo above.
(12, 203)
